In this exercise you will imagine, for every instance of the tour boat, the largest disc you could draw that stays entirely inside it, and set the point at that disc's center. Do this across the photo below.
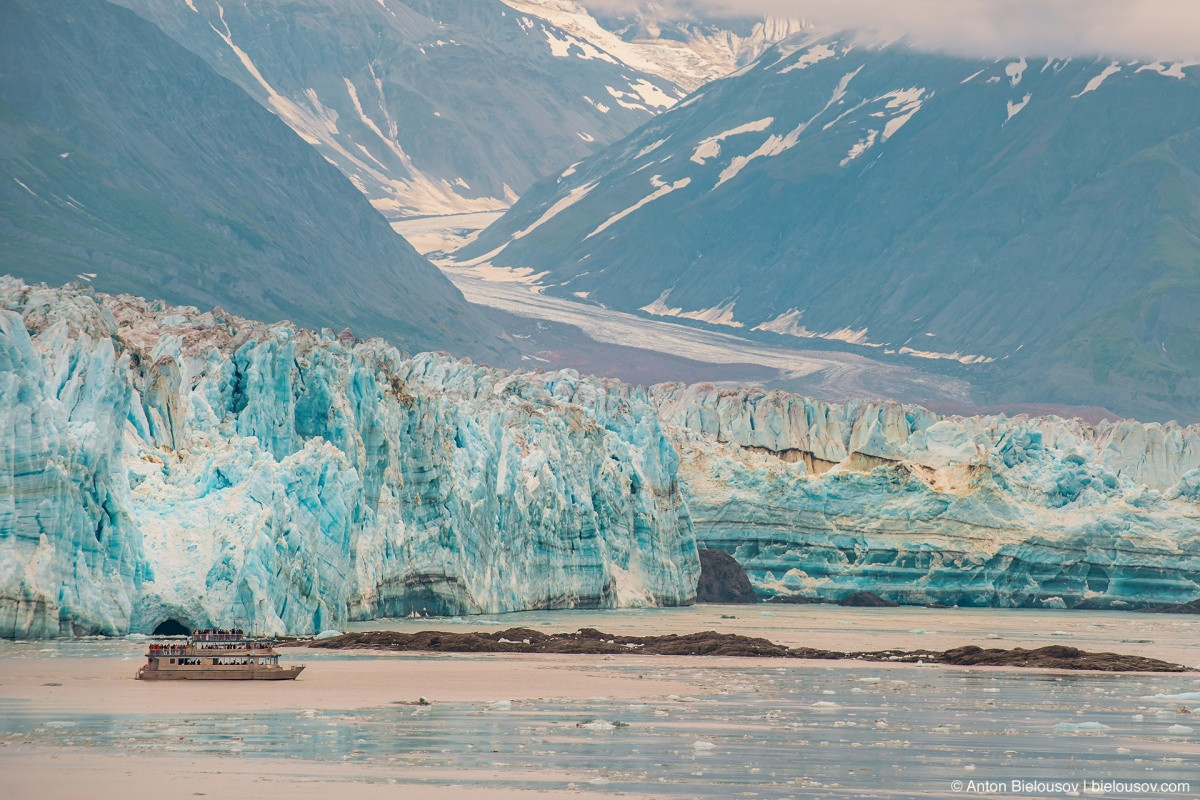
(216, 655)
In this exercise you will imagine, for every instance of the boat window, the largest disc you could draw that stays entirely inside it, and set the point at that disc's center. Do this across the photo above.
(172, 661)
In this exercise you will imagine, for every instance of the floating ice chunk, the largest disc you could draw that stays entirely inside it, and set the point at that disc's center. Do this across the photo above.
(825, 704)
(1179, 729)
(698, 745)
(1180, 696)
(1082, 727)
(597, 725)
(328, 634)
(917, 630)
(501, 705)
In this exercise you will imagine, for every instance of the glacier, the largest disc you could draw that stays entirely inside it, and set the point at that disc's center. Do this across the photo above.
(820, 500)
(162, 463)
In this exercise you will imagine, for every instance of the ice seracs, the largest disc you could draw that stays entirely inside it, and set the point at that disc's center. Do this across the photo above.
(159, 462)
(163, 463)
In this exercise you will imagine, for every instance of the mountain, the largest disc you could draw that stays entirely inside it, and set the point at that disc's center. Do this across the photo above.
(436, 107)
(679, 44)
(1027, 225)
(127, 161)
(159, 462)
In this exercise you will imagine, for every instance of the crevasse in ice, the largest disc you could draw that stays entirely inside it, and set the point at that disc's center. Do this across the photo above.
(825, 499)
(161, 463)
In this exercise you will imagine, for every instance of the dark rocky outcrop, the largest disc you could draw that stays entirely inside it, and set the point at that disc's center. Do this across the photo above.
(722, 580)
(866, 600)
(797, 599)
(1176, 608)
(1055, 657)
(590, 641)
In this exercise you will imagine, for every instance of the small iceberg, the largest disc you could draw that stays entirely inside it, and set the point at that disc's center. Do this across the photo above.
(1082, 727)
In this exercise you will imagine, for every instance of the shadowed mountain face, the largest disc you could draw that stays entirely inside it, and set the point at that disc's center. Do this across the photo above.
(430, 106)
(125, 158)
(1030, 224)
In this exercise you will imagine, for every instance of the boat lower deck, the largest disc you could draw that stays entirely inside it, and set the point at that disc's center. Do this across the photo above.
(186, 673)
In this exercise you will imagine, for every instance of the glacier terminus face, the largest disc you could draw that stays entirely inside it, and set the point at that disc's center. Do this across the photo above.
(822, 500)
(161, 463)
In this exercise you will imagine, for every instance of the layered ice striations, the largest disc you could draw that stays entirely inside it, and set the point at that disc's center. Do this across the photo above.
(823, 500)
(161, 463)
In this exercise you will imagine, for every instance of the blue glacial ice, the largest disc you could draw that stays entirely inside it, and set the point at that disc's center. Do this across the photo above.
(161, 463)
(158, 462)
(824, 499)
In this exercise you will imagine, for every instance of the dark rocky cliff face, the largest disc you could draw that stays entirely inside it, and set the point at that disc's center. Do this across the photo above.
(722, 580)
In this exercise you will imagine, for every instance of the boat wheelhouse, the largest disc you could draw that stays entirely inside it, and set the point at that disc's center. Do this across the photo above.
(216, 655)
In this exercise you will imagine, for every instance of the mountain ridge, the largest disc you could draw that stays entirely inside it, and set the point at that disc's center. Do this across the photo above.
(913, 205)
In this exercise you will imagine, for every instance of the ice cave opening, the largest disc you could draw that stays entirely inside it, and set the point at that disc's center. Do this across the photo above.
(171, 627)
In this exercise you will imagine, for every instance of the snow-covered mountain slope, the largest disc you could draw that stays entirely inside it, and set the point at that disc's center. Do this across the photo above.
(685, 48)
(822, 500)
(1027, 223)
(436, 107)
(161, 463)
(125, 159)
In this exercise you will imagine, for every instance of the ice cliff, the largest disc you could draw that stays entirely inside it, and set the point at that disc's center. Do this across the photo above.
(161, 463)
(822, 500)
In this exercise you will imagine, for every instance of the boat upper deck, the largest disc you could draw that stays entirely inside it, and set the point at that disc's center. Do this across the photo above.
(214, 643)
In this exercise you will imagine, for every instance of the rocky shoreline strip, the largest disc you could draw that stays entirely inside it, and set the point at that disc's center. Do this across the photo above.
(590, 641)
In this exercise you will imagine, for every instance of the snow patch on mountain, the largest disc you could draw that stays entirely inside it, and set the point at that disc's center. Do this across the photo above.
(774, 145)
(572, 47)
(1175, 70)
(1015, 108)
(860, 147)
(815, 54)
(717, 315)
(662, 190)
(1094, 83)
(711, 147)
(1014, 70)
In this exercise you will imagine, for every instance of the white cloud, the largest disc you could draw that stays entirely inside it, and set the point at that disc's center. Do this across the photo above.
(1166, 29)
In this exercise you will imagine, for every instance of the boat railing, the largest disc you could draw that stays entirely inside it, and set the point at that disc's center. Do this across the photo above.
(199, 636)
